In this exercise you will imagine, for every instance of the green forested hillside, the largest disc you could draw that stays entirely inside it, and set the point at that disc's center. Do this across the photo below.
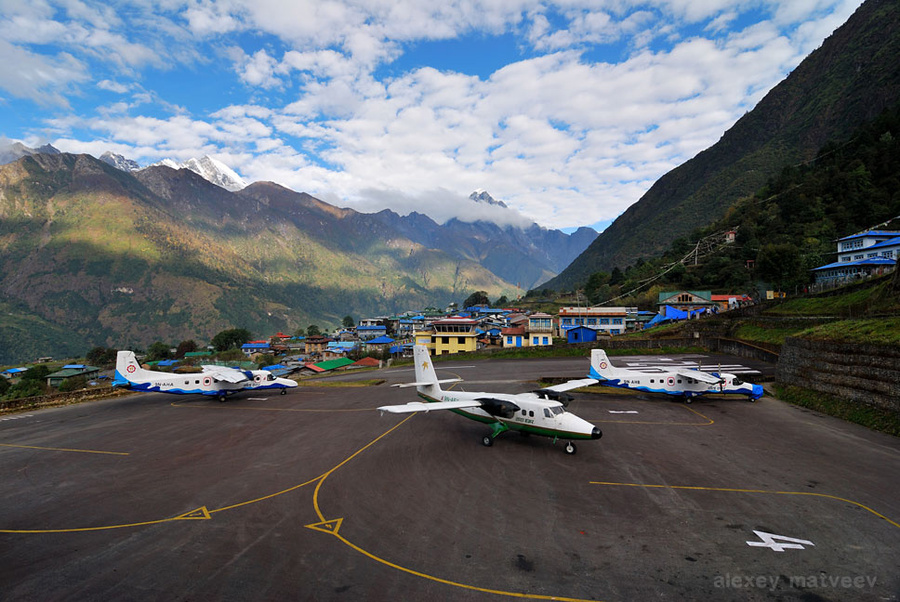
(787, 228)
(90, 255)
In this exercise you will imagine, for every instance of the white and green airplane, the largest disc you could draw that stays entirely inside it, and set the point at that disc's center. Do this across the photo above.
(541, 412)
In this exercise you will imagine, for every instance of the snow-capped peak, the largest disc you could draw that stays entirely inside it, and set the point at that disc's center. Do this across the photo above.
(210, 169)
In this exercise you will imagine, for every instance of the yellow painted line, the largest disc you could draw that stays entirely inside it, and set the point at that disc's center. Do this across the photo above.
(199, 513)
(332, 526)
(455, 583)
(734, 490)
(65, 449)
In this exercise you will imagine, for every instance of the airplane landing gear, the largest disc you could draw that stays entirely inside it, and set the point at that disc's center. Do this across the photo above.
(487, 440)
(284, 391)
(570, 448)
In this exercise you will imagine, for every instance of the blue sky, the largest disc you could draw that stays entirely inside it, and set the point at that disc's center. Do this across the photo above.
(567, 111)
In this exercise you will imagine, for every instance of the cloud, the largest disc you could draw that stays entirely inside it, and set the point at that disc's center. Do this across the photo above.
(40, 78)
(597, 99)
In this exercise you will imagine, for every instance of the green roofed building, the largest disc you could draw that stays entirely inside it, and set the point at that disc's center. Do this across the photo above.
(71, 370)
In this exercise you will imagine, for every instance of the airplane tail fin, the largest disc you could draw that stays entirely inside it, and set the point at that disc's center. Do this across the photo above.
(127, 368)
(425, 374)
(427, 381)
(601, 368)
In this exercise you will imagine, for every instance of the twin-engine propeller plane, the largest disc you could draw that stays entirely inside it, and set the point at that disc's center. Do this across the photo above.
(216, 381)
(540, 412)
(684, 383)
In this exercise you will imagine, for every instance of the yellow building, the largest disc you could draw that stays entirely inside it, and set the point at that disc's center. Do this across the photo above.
(450, 335)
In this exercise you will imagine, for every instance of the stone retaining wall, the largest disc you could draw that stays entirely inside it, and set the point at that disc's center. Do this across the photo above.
(61, 399)
(868, 374)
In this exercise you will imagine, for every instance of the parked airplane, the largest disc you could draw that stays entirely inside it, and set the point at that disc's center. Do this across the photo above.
(540, 412)
(217, 381)
(681, 382)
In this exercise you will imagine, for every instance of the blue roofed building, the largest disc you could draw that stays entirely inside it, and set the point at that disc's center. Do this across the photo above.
(860, 255)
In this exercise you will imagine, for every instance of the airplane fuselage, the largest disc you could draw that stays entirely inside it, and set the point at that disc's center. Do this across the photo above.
(532, 414)
(673, 383)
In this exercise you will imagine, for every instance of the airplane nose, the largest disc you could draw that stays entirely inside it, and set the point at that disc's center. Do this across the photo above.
(595, 433)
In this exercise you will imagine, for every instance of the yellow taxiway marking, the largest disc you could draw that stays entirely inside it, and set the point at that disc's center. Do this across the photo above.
(65, 449)
(333, 525)
(735, 490)
(200, 513)
(329, 526)
(203, 513)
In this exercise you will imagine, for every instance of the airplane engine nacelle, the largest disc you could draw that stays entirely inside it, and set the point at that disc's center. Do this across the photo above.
(498, 407)
(560, 396)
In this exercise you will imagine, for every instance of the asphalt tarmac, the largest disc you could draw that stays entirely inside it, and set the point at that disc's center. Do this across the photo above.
(315, 496)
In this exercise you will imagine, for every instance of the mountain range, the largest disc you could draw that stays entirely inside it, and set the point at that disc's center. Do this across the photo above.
(92, 254)
(846, 82)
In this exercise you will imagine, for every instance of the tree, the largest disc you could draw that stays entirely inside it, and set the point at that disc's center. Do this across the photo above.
(73, 384)
(348, 322)
(477, 298)
(597, 287)
(501, 301)
(616, 277)
(185, 347)
(36, 373)
(780, 264)
(230, 339)
(313, 331)
(101, 356)
(158, 351)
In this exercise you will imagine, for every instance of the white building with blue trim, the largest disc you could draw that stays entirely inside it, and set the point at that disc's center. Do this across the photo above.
(861, 255)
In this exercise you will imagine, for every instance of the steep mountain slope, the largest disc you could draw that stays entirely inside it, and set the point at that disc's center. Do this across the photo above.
(117, 259)
(847, 81)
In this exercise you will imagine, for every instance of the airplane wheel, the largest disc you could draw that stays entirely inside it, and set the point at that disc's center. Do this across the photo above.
(688, 400)
(284, 391)
(487, 441)
(221, 398)
(570, 448)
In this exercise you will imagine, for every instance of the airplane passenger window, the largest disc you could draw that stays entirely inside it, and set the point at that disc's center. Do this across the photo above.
(531, 413)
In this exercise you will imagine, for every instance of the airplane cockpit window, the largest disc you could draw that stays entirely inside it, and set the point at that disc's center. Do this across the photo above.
(270, 377)
(557, 410)
(547, 413)
(737, 381)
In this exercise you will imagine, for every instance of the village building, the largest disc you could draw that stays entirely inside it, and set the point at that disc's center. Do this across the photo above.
(450, 335)
(860, 255)
(71, 371)
(608, 320)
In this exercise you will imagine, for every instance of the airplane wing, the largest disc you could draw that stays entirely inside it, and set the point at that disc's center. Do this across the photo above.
(220, 373)
(418, 406)
(426, 383)
(572, 384)
(703, 377)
